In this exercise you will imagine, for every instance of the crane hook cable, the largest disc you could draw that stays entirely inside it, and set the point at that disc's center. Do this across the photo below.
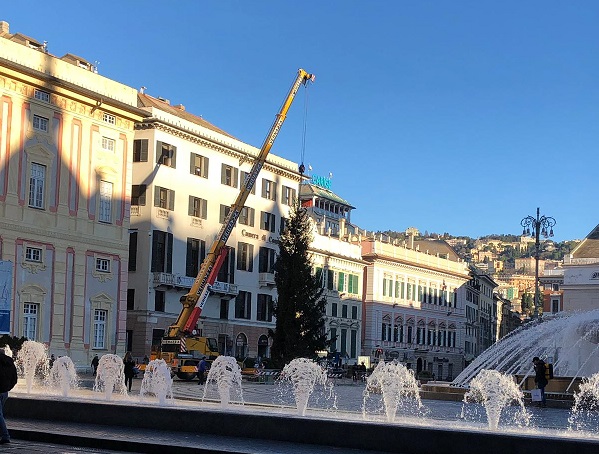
(305, 126)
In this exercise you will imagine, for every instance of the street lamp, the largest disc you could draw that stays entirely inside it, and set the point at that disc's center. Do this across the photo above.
(541, 225)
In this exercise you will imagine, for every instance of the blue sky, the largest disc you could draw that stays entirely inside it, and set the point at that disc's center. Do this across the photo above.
(448, 116)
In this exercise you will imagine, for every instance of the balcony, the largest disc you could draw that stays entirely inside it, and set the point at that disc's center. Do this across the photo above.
(266, 279)
(224, 289)
(173, 280)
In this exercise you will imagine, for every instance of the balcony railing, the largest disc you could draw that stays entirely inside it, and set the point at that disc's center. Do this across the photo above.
(173, 280)
(224, 288)
(266, 279)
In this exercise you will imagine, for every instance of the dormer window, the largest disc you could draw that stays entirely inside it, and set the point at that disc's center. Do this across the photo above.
(42, 95)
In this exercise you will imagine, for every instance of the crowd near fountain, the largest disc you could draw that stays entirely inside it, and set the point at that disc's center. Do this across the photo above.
(391, 386)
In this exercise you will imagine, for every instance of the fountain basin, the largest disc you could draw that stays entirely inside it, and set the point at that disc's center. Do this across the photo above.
(318, 428)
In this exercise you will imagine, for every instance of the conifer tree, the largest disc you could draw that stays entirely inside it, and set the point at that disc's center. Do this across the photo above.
(300, 306)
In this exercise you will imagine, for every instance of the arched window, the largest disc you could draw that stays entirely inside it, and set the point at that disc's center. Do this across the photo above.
(263, 346)
(241, 344)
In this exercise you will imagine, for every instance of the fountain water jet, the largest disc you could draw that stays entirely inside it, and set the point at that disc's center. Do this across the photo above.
(569, 340)
(397, 385)
(110, 376)
(225, 373)
(495, 391)
(304, 374)
(157, 381)
(63, 375)
(585, 411)
(32, 358)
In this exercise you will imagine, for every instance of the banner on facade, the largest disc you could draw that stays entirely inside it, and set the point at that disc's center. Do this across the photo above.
(5, 293)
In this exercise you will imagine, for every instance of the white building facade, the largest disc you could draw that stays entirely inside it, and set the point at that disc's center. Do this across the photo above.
(411, 308)
(186, 175)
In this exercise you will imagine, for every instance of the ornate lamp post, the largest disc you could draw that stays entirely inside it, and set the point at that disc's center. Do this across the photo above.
(540, 226)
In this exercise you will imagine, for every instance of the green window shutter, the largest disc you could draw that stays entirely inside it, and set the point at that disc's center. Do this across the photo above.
(205, 167)
(235, 177)
(223, 174)
(192, 163)
(340, 281)
(142, 195)
(190, 206)
(171, 200)
(156, 196)
(204, 212)
(384, 287)
(252, 215)
(158, 151)
(174, 157)
(250, 257)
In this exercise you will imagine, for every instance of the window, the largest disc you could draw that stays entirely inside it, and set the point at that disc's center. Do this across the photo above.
(164, 198)
(282, 225)
(198, 207)
(30, 312)
(246, 216)
(40, 123)
(243, 305)
(224, 309)
(110, 119)
(244, 176)
(103, 265)
(100, 317)
(198, 165)
(33, 254)
(229, 175)
(245, 257)
(352, 284)
(333, 309)
(266, 260)
(269, 189)
(227, 270)
(224, 211)
(107, 144)
(241, 344)
(196, 251)
(159, 300)
(42, 95)
(264, 308)
(140, 150)
(354, 312)
(138, 194)
(162, 252)
(267, 221)
(333, 339)
(36, 185)
(344, 311)
(105, 202)
(289, 195)
(130, 299)
(166, 154)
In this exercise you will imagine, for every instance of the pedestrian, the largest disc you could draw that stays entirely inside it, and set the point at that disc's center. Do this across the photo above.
(540, 379)
(8, 379)
(95, 363)
(202, 365)
(129, 370)
(51, 361)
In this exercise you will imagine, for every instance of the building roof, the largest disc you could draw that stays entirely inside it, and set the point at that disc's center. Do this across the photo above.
(312, 190)
(437, 247)
(145, 100)
(589, 247)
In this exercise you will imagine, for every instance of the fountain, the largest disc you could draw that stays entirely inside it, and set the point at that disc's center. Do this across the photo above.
(397, 386)
(304, 374)
(157, 381)
(32, 358)
(568, 340)
(110, 376)
(225, 374)
(585, 411)
(63, 375)
(495, 391)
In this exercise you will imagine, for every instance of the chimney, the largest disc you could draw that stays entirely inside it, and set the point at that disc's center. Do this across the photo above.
(341, 227)
(180, 107)
(4, 28)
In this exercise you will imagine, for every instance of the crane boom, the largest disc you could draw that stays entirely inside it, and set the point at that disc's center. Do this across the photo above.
(193, 302)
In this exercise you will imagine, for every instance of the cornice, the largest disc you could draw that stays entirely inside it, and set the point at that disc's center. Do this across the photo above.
(38, 233)
(242, 156)
(412, 266)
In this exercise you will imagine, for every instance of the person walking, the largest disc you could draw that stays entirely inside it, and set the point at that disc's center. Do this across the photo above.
(540, 379)
(129, 370)
(8, 379)
(95, 362)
